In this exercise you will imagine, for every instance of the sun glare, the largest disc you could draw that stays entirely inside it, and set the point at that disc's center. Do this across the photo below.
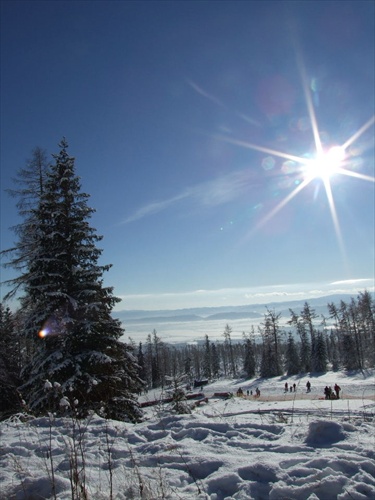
(324, 165)
(327, 163)
(320, 163)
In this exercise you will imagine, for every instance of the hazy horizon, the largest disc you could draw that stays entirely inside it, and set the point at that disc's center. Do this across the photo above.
(179, 329)
(241, 296)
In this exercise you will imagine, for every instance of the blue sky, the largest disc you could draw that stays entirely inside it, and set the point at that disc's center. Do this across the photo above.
(195, 126)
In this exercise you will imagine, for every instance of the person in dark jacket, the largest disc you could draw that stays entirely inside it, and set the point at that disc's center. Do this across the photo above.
(337, 391)
(326, 392)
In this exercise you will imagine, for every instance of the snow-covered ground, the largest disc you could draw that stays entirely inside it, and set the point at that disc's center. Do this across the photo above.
(278, 446)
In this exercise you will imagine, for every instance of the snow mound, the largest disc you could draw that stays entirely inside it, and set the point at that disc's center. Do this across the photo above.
(323, 433)
(40, 487)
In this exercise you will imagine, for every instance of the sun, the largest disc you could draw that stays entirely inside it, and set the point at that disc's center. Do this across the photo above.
(326, 164)
(322, 165)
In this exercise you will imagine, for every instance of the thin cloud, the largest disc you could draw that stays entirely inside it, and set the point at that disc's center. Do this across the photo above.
(210, 194)
(217, 101)
(350, 282)
(202, 92)
(154, 208)
(221, 190)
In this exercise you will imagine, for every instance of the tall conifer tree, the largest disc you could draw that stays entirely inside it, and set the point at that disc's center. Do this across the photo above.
(65, 301)
(292, 362)
(249, 357)
(30, 184)
(10, 363)
(320, 361)
(207, 358)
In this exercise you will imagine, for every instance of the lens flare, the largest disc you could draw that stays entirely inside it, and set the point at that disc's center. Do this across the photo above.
(43, 333)
(54, 325)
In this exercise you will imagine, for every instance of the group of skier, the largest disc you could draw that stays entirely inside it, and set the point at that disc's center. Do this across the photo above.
(330, 393)
(240, 392)
(291, 388)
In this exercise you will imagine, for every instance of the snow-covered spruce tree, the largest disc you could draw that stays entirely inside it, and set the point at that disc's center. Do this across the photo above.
(215, 368)
(292, 361)
(207, 358)
(351, 345)
(10, 357)
(141, 363)
(229, 350)
(176, 392)
(320, 358)
(366, 313)
(308, 316)
(337, 333)
(155, 344)
(66, 302)
(333, 351)
(249, 364)
(349, 361)
(187, 365)
(30, 184)
(270, 362)
(305, 345)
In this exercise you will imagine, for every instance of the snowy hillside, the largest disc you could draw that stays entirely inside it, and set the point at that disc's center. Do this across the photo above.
(278, 446)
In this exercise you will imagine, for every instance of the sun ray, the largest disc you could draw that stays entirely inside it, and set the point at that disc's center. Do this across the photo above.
(282, 204)
(262, 149)
(336, 224)
(357, 175)
(332, 209)
(310, 106)
(359, 132)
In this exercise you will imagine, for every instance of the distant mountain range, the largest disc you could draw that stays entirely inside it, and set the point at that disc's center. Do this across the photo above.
(186, 317)
(229, 312)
